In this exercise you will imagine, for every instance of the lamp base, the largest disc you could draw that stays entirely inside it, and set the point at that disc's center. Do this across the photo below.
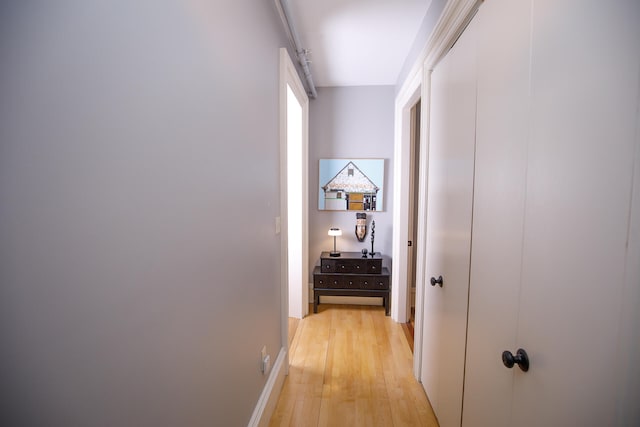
(334, 253)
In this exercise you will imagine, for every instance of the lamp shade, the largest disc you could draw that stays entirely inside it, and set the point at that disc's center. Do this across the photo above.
(335, 232)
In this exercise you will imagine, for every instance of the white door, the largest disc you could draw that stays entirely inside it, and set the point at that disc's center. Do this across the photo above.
(450, 192)
(551, 266)
(584, 103)
(502, 134)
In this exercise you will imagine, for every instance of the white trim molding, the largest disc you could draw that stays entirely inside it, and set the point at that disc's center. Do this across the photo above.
(421, 233)
(299, 293)
(454, 18)
(406, 99)
(270, 393)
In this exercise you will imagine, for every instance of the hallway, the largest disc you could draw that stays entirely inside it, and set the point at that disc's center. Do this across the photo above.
(351, 366)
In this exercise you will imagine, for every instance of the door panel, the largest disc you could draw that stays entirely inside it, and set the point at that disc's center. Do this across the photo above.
(502, 134)
(584, 101)
(553, 269)
(450, 195)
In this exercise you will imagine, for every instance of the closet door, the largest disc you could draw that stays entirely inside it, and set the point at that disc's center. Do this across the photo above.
(502, 134)
(450, 195)
(585, 70)
(553, 216)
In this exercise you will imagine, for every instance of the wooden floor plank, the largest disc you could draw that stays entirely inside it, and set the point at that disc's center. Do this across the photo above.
(351, 366)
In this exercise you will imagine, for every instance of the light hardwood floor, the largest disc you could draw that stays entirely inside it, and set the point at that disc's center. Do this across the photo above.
(351, 366)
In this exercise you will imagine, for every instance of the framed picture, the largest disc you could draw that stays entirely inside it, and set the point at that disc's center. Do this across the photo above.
(351, 184)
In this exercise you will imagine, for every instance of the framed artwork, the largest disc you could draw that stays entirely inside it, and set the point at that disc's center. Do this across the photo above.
(351, 185)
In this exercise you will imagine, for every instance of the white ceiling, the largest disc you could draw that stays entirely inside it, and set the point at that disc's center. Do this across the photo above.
(357, 42)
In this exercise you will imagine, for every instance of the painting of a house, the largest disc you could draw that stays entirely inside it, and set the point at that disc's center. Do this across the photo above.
(351, 184)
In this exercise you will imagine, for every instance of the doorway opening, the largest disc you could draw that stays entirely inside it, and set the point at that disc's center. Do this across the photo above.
(414, 174)
(293, 222)
(297, 267)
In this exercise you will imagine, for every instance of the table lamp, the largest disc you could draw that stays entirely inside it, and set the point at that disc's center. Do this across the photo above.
(334, 232)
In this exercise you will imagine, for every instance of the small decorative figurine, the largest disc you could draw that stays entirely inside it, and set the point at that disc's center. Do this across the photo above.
(361, 226)
(373, 232)
(364, 253)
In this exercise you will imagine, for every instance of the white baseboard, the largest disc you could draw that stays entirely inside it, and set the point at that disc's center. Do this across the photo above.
(270, 393)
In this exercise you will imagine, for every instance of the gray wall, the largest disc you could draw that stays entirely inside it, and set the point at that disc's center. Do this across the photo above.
(350, 122)
(424, 32)
(139, 265)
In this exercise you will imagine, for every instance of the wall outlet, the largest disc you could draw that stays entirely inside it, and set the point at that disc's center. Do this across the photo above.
(265, 361)
(278, 226)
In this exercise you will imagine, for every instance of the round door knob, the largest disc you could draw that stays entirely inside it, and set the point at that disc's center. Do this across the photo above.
(437, 281)
(521, 359)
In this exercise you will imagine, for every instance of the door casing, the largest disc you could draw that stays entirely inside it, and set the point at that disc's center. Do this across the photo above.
(289, 79)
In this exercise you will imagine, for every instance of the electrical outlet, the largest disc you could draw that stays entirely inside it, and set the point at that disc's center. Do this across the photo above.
(265, 361)
(278, 225)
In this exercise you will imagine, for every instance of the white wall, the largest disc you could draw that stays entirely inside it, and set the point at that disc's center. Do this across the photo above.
(139, 183)
(295, 232)
(350, 122)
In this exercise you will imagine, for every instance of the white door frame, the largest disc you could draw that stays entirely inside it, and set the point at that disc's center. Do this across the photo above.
(455, 17)
(289, 78)
(405, 101)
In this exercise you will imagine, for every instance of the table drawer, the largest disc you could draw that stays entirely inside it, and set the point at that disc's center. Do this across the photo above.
(374, 282)
(351, 281)
(329, 282)
(352, 266)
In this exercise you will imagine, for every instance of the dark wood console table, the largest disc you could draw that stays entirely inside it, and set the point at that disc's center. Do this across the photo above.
(351, 274)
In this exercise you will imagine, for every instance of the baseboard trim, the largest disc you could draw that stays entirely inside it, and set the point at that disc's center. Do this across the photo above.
(270, 393)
